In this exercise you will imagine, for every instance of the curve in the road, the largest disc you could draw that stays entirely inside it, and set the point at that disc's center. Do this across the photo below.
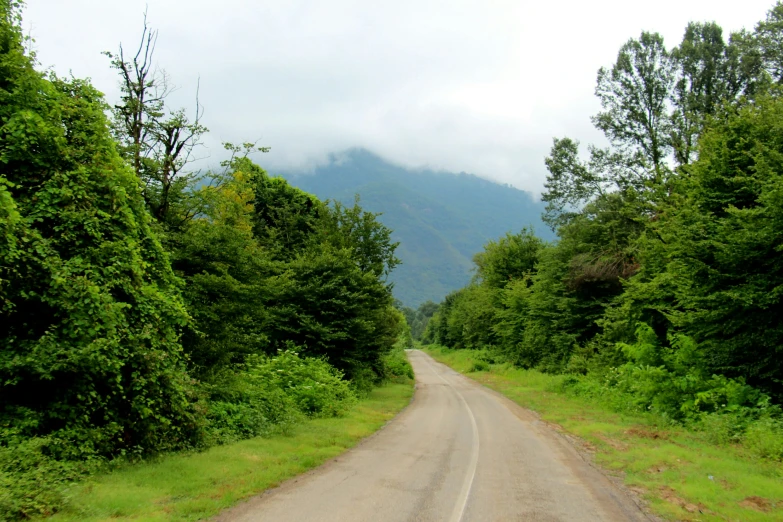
(427, 465)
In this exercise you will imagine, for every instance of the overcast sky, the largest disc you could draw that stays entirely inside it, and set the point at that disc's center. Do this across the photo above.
(474, 86)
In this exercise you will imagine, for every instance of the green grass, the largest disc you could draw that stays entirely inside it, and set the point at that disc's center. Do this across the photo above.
(680, 474)
(198, 485)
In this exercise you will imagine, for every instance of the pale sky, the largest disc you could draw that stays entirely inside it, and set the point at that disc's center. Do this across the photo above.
(474, 86)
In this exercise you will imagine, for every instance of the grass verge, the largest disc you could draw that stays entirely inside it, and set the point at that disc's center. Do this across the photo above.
(680, 474)
(198, 485)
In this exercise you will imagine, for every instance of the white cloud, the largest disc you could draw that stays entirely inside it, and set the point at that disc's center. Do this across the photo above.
(475, 86)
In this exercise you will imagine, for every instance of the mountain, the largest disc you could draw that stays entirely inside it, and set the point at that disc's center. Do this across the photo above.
(440, 219)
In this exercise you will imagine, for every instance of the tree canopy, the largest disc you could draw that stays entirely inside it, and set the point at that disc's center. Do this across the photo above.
(665, 279)
(146, 307)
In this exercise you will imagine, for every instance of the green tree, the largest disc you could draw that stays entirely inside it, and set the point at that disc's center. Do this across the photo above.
(635, 118)
(362, 233)
(703, 86)
(226, 273)
(323, 302)
(716, 252)
(769, 41)
(158, 143)
(634, 95)
(91, 315)
(511, 257)
(286, 219)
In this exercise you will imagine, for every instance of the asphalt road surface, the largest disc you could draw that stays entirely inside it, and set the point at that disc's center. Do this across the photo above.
(458, 453)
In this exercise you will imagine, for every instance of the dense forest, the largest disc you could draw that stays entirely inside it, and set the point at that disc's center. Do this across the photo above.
(664, 288)
(146, 307)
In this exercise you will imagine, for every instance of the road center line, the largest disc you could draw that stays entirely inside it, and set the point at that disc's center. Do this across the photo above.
(467, 485)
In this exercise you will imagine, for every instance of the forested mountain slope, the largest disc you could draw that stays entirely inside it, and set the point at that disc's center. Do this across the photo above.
(440, 219)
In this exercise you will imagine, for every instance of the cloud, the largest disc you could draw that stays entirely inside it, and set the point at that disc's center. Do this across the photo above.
(475, 86)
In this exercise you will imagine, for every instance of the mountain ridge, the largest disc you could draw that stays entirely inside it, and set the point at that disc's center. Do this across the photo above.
(441, 219)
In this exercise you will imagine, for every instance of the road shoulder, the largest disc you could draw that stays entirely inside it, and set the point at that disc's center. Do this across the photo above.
(675, 474)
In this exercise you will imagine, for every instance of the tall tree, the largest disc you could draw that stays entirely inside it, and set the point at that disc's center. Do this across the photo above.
(635, 118)
(511, 257)
(158, 142)
(769, 38)
(90, 313)
(702, 85)
(717, 250)
(633, 96)
(360, 231)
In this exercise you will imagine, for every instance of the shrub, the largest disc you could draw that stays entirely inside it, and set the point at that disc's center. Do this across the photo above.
(764, 438)
(673, 381)
(90, 311)
(480, 366)
(317, 388)
(243, 405)
(271, 394)
(363, 380)
(720, 428)
(396, 365)
(32, 483)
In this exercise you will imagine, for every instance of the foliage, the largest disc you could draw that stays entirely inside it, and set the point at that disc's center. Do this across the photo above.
(156, 141)
(417, 319)
(32, 483)
(324, 303)
(674, 381)
(765, 438)
(268, 394)
(367, 238)
(285, 218)
(633, 96)
(316, 388)
(397, 366)
(512, 257)
(464, 319)
(662, 293)
(226, 274)
(716, 253)
(91, 315)
(118, 345)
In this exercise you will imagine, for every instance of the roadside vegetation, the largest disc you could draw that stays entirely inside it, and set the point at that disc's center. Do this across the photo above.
(147, 308)
(661, 298)
(692, 472)
(198, 485)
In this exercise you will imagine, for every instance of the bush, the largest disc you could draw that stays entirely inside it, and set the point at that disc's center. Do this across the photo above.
(396, 365)
(90, 311)
(32, 483)
(271, 394)
(243, 405)
(480, 366)
(363, 380)
(720, 428)
(764, 438)
(317, 388)
(674, 382)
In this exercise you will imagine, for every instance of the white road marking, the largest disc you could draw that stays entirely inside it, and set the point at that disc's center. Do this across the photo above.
(467, 485)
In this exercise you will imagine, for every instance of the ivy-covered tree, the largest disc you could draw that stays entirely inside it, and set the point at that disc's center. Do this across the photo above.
(90, 315)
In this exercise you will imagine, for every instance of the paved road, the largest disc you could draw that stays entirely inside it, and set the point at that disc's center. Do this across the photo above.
(458, 453)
